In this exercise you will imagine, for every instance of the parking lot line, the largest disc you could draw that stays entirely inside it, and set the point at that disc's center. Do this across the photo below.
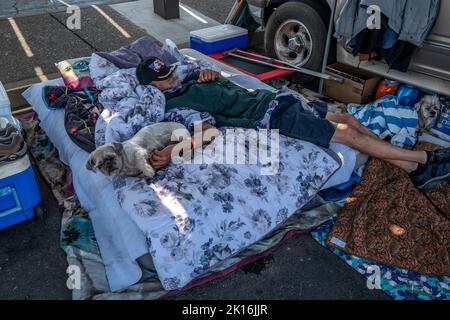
(110, 20)
(21, 38)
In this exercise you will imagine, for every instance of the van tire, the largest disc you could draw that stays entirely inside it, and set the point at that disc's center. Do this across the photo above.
(308, 18)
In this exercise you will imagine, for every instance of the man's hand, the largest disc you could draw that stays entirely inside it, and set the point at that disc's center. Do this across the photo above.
(161, 158)
(208, 75)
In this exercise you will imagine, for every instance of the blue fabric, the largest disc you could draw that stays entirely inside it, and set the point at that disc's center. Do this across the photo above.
(390, 37)
(408, 95)
(386, 118)
(398, 283)
(342, 191)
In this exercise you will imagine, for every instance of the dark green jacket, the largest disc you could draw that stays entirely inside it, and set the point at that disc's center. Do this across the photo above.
(230, 104)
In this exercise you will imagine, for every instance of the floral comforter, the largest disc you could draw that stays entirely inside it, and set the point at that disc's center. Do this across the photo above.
(195, 216)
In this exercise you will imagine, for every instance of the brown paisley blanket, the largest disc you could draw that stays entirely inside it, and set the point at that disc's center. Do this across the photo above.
(388, 220)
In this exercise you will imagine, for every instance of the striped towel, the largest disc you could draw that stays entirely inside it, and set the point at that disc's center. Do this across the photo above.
(386, 118)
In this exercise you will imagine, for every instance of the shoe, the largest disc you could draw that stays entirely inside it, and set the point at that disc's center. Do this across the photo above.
(10, 145)
(437, 170)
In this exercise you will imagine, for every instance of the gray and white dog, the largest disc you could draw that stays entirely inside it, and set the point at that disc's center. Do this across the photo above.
(131, 158)
(428, 109)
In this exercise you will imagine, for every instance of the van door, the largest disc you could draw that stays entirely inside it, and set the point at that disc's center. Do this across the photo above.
(434, 57)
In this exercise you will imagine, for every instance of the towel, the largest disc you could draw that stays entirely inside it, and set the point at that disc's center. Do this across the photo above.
(386, 118)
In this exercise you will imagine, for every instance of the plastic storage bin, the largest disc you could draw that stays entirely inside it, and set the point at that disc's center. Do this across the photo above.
(219, 38)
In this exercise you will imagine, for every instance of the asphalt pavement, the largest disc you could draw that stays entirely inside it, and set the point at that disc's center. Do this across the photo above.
(32, 265)
(215, 9)
(14, 8)
(48, 40)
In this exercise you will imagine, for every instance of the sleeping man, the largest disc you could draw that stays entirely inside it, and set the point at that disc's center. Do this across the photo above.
(203, 96)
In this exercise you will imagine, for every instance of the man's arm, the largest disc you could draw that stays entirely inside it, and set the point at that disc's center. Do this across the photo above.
(207, 71)
(187, 65)
(161, 158)
(189, 117)
(208, 75)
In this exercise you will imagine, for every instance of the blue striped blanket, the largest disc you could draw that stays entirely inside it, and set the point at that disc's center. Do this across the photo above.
(386, 118)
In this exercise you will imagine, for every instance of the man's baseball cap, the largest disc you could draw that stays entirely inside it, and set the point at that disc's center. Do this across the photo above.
(153, 69)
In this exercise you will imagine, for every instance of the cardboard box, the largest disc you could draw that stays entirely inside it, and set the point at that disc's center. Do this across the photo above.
(359, 86)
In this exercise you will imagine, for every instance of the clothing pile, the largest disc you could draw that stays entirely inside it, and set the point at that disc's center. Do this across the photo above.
(403, 26)
(12, 145)
(82, 110)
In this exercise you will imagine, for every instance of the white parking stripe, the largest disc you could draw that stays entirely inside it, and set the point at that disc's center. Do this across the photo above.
(21, 38)
(193, 14)
(110, 20)
(64, 3)
(40, 73)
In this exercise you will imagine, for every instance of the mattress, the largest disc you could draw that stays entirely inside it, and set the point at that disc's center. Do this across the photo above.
(120, 240)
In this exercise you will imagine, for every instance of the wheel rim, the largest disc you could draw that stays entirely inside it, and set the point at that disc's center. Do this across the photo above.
(293, 43)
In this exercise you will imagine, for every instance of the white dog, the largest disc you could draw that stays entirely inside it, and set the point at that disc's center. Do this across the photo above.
(131, 158)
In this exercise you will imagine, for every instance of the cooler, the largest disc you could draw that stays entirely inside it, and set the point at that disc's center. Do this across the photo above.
(19, 191)
(219, 38)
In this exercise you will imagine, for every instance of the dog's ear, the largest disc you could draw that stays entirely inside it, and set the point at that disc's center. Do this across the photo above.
(90, 164)
(118, 147)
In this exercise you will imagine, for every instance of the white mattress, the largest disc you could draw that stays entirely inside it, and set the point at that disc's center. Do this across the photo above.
(120, 240)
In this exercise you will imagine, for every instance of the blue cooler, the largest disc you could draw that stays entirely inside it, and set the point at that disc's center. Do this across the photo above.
(19, 192)
(219, 38)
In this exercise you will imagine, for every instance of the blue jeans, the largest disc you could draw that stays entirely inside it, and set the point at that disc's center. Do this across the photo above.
(306, 123)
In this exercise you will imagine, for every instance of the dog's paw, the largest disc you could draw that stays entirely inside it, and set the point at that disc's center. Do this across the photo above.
(148, 171)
